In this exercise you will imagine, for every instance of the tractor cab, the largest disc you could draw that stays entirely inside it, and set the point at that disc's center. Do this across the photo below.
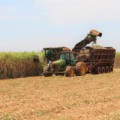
(68, 57)
(53, 53)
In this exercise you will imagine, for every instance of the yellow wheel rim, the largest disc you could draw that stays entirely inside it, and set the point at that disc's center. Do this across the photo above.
(83, 69)
(71, 72)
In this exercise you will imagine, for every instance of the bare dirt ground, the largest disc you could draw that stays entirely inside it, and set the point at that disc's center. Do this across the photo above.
(90, 97)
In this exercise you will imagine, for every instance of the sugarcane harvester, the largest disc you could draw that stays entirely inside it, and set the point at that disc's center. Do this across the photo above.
(53, 53)
(82, 59)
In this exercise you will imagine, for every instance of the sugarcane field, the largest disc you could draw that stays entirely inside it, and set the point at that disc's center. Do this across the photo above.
(61, 84)
(59, 59)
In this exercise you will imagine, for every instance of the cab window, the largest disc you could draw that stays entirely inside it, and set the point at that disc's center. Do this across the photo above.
(64, 56)
(72, 56)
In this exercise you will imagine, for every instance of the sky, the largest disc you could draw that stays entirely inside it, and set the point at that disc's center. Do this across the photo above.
(31, 25)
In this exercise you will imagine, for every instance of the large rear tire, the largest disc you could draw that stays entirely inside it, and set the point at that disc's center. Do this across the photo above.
(69, 72)
(80, 68)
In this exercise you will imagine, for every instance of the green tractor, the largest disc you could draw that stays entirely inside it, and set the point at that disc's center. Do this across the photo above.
(67, 65)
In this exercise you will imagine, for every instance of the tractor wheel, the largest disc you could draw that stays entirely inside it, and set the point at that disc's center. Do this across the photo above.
(69, 72)
(46, 73)
(80, 68)
(98, 70)
(56, 74)
(61, 74)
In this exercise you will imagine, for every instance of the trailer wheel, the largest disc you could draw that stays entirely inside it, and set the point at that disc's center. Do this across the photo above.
(80, 68)
(69, 72)
(98, 70)
(111, 68)
(103, 70)
(106, 69)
